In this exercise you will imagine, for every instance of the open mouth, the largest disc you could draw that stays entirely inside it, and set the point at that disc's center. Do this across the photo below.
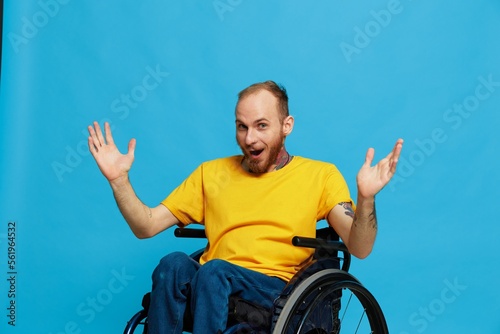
(256, 153)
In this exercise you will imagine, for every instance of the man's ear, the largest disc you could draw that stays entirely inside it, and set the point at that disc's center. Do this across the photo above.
(288, 125)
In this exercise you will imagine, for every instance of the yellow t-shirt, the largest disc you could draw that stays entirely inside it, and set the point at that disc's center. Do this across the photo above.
(250, 219)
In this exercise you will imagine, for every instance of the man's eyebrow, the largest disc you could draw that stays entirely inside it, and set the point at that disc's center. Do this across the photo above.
(255, 122)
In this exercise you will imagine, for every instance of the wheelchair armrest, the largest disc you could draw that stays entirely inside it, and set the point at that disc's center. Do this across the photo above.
(189, 233)
(330, 246)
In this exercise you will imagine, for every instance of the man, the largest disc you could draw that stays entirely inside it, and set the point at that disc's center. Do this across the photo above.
(251, 206)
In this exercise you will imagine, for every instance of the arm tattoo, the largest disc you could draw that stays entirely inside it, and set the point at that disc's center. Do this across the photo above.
(348, 209)
(372, 217)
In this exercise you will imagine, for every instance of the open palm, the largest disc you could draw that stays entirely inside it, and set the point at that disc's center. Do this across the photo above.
(371, 179)
(111, 162)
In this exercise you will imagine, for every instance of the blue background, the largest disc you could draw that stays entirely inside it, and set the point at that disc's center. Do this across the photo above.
(359, 75)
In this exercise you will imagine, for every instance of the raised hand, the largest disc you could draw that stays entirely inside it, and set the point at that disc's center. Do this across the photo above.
(111, 162)
(371, 179)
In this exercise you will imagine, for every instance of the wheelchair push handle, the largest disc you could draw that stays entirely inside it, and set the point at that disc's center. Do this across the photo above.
(328, 246)
(319, 243)
(190, 233)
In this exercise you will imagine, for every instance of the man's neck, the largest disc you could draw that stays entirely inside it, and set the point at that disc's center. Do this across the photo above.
(283, 159)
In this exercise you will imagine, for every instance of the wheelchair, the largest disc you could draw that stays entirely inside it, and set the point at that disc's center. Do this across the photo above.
(321, 298)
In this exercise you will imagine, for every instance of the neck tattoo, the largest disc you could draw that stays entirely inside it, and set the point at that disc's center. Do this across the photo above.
(283, 159)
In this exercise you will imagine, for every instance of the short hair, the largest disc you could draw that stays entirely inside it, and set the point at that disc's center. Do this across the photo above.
(277, 90)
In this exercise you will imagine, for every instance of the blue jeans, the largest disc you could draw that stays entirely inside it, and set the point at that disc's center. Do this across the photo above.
(178, 278)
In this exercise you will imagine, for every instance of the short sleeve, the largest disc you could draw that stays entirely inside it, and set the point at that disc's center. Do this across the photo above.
(335, 191)
(186, 202)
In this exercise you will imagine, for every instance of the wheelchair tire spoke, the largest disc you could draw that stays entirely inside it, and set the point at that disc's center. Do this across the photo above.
(328, 296)
(346, 307)
(360, 320)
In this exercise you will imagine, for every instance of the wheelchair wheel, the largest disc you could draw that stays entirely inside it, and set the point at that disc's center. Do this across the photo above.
(139, 319)
(330, 301)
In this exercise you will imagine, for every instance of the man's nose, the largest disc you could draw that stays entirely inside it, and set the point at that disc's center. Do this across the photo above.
(250, 137)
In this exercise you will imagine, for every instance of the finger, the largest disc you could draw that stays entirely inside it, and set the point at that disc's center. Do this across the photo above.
(93, 141)
(131, 147)
(369, 157)
(92, 131)
(397, 149)
(92, 148)
(109, 136)
(396, 152)
(100, 138)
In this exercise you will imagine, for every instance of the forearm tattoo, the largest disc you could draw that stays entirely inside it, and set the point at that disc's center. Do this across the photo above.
(372, 217)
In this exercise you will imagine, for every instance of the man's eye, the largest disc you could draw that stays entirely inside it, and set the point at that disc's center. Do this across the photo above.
(262, 125)
(241, 127)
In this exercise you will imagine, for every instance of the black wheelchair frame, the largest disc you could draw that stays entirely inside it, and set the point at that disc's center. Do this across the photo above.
(316, 300)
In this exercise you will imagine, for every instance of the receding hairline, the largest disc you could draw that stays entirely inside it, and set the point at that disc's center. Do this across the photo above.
(276, 90)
